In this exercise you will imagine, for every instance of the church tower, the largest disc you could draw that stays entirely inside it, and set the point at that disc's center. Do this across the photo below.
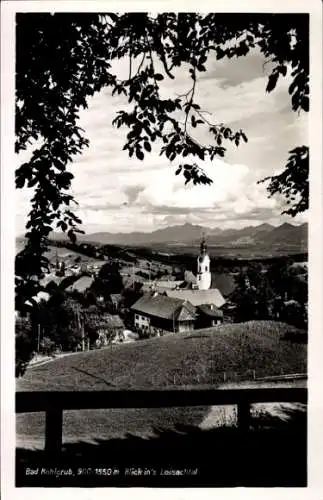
(203, 268)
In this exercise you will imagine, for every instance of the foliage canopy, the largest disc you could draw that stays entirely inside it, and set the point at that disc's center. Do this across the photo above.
(63, 59)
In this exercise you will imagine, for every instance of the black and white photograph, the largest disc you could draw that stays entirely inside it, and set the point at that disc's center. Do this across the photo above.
(161, 301)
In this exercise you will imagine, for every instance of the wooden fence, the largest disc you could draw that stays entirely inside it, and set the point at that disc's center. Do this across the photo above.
(54, 403)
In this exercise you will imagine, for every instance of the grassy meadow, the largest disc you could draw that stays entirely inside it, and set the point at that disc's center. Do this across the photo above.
(200, 357)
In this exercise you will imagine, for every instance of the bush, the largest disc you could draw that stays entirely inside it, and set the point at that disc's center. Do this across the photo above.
(294, 314)
(47, 346)
(24, 347)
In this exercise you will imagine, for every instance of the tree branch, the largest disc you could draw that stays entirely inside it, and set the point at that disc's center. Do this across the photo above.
(190, 102)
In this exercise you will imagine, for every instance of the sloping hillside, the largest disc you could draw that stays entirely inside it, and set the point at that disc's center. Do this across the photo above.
(198, 358)
(180, 359)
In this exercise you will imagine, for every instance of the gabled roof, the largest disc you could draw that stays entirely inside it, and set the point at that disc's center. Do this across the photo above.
(190, 278)
(161, 306)
(170, 284)
(48, 278)
(37, 298)
(81, 284)
(107, 321)
(130, 281)
(161, 285)
(199, 297)
(210, 310)
(115, 321)
(115, 297)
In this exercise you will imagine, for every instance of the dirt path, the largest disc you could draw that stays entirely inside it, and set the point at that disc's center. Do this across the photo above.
(47, 359)
(227, 415)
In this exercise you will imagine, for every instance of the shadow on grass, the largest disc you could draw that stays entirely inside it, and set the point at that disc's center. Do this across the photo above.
(296, 337)
(197, 337)
(93, 376)
(272, 453)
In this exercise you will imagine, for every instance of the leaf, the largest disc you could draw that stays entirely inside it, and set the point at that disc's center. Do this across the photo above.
(20, 182)
(140, 155)
(244, 137)
(159, 77)
(178, 171)
(33, 182)
(71, 236)
(305, 103)
(147, 146)
(282, 70)
(272, 80)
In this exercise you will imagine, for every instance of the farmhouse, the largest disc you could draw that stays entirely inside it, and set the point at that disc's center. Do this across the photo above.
(153, 312)
(115, 299)
(208, 315)
(108, 327)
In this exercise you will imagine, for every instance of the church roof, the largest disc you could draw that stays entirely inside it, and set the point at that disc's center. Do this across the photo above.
(199, 297)
(190, 278)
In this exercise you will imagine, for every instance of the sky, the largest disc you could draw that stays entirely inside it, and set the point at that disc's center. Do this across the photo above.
(121, 194)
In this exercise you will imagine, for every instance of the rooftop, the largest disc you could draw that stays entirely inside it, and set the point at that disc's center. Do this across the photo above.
(164, 307)
(199, 297)
(160, 286)
(211, 310)
(81, 284)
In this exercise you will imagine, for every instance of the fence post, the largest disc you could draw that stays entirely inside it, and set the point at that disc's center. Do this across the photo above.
(244, 415)
(54, 431)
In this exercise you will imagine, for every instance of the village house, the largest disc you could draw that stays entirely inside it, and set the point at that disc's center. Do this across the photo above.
(115, 299)
(109, 328)
(158, 312)
(208, 315)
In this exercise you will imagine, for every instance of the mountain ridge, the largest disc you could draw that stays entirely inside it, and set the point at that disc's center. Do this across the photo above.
(284, 235)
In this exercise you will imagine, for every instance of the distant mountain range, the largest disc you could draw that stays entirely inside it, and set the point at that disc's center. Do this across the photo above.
(286, 236)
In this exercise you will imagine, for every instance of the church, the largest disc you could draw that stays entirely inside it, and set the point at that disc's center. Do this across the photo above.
(182, 309)
(201, 292)
(203, 268)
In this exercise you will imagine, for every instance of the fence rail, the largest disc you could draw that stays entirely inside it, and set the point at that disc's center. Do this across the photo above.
(54, 403)
(289, 376)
